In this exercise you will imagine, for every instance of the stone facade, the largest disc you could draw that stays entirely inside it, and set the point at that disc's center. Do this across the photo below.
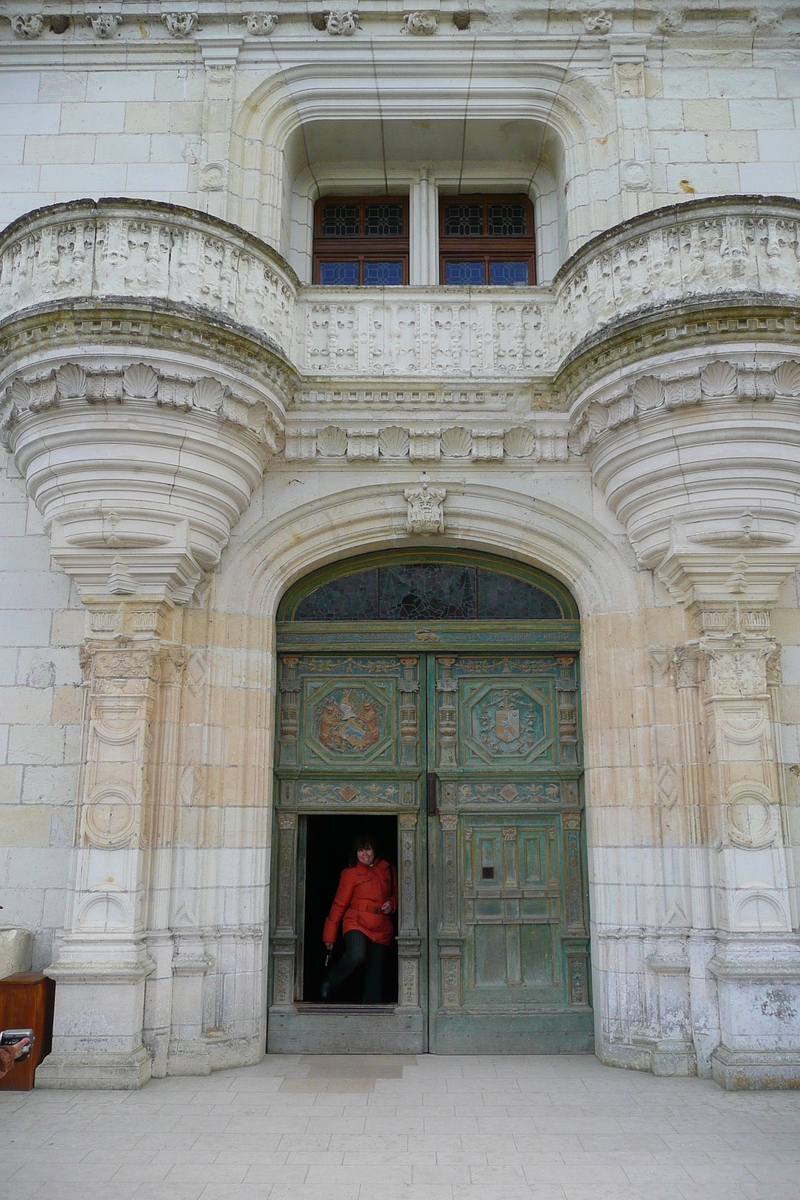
(192, 426)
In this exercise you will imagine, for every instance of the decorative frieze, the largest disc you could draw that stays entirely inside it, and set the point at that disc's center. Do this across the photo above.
(39, 391)
(396, 443)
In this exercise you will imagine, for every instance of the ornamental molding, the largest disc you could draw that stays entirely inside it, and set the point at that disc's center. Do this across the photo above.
(394, 443)
(72, 382)
(425, 513)
(658, 393)
(136, 334)
(342, 24)
(225, 20)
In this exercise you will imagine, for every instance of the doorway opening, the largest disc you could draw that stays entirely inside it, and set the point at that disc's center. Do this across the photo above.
(328, 850)
(433, 696)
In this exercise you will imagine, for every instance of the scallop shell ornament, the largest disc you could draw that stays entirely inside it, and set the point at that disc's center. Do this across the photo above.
(393, 442)
(456, 442)
(519, 442)
(332, 442)
(718, 379)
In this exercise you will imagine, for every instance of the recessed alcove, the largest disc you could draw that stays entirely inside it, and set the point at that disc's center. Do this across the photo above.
(424, 159)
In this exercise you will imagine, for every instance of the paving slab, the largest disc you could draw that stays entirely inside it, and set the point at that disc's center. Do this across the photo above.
(384, 1128)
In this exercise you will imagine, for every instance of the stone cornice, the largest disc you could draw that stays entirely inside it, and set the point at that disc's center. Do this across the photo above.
(204, 18)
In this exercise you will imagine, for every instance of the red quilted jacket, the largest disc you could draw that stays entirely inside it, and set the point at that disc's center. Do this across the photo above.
(359, 896)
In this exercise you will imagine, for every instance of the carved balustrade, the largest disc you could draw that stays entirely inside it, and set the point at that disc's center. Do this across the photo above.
(143, 250)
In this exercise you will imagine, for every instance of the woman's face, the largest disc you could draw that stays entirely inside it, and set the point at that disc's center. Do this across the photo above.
(366, 856)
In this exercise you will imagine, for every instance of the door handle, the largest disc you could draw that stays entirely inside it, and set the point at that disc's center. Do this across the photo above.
(430, 788)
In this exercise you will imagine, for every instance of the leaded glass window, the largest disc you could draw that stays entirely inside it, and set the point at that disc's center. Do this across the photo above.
(507, 220)
(361, 242)
(464, 274)
(339, 273)
(340, 220)
(508, 273)
(428, 591)
(463, 220)
(383, 220)
(487, 240)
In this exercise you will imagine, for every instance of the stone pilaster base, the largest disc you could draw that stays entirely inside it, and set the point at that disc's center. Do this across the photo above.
(737, 1070)
(103, 1072)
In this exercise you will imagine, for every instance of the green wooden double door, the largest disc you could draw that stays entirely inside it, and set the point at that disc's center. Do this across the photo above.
(476, 755)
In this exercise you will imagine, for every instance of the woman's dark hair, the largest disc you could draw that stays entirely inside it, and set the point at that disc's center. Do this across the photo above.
(365, 840)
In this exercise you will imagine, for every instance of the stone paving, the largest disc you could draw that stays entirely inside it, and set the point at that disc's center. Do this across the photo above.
(379, 1128)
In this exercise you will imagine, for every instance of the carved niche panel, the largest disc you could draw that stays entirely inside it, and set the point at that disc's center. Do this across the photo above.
(349, 712)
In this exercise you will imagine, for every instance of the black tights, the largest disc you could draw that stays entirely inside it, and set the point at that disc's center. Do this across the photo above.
(360, 949)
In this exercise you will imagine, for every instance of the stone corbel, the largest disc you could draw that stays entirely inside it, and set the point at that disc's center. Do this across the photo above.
(115, 528)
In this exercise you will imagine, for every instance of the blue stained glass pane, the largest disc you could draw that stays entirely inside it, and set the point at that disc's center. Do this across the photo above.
(505, 598)
(383, 274)
(464, 274)
(341, 274)
(506, 274)
(427, 591)
(351, 598)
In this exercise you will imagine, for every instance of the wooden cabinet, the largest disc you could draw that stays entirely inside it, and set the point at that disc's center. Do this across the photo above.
(26, 1002)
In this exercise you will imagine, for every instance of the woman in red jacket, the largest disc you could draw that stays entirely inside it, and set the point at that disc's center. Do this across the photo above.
(366, 898)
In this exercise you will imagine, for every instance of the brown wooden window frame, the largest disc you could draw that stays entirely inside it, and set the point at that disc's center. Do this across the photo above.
(485, 247)
(360, 247)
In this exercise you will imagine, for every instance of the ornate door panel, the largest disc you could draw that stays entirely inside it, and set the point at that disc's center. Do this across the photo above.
(492, 925)
(351, 740)
(509, 936)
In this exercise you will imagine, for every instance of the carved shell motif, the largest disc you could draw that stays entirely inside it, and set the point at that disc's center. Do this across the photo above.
(718, 379)
(139, 382)
(648, 392)
(332, 442)
(208, 395)
(71, 382)
(519, 442)
(456, 442)
(393, 442)
(787, 378)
